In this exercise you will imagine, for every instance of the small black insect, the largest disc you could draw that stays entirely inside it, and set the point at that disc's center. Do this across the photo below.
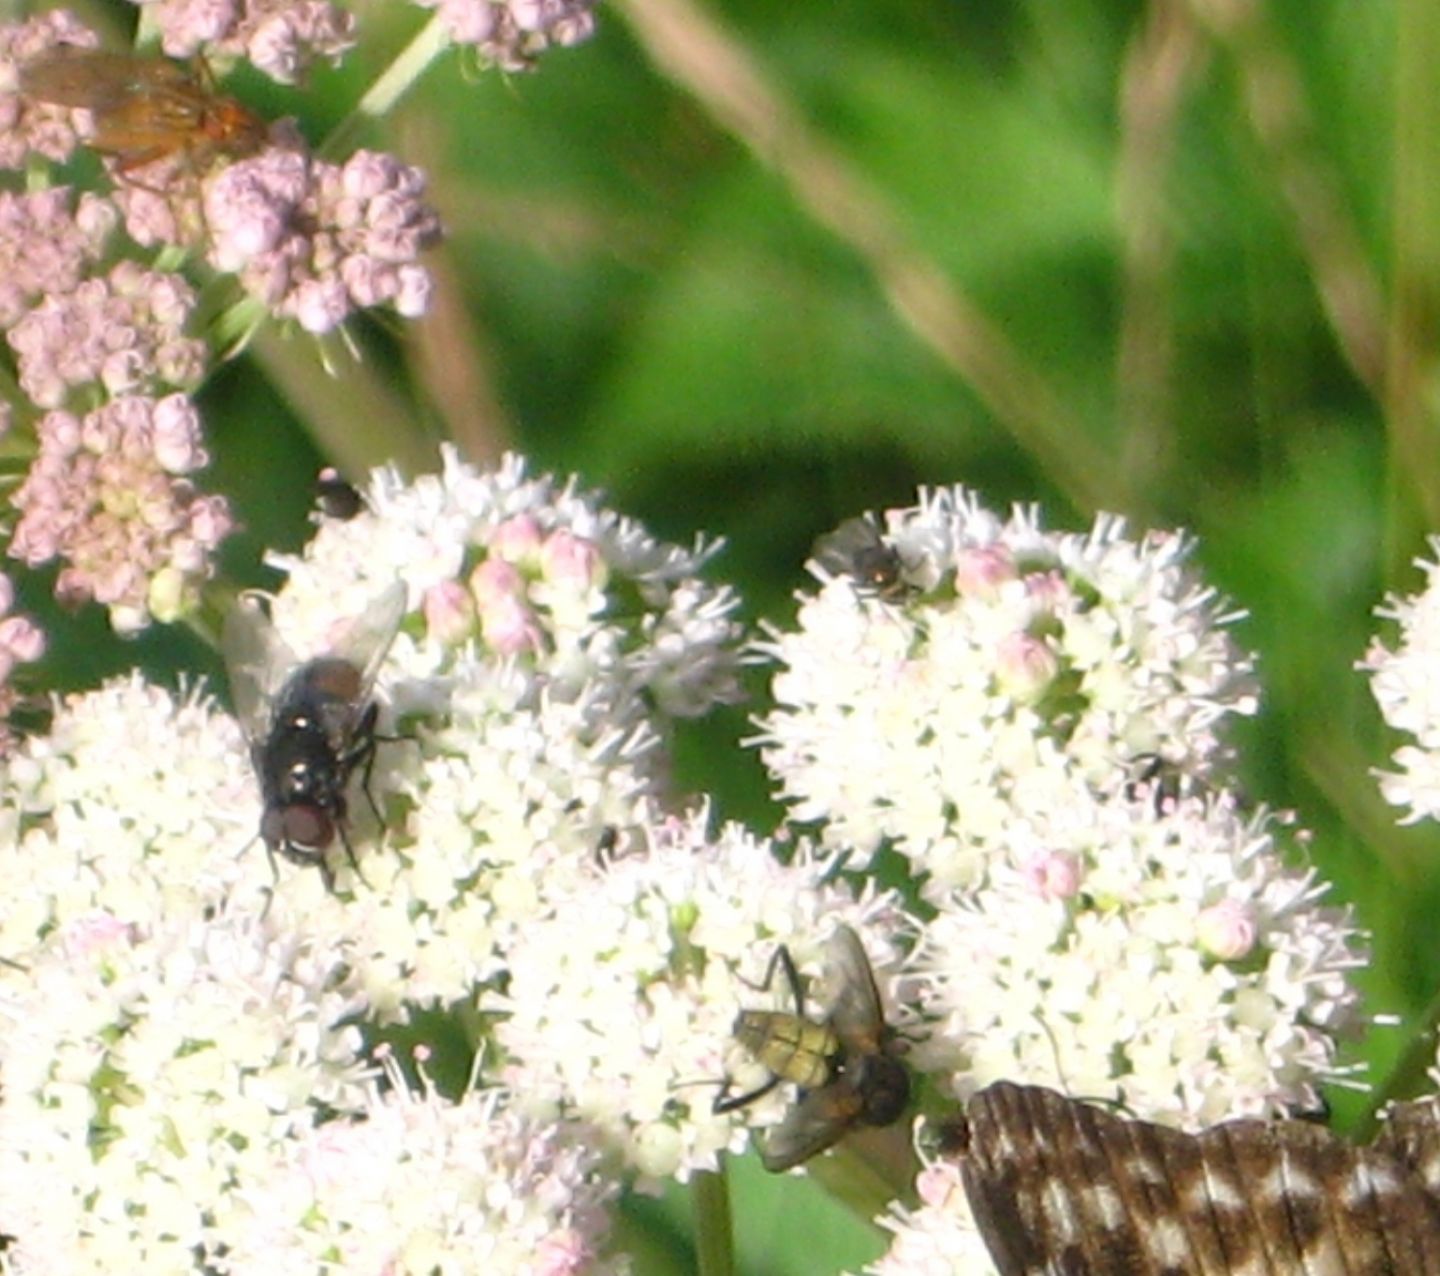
(857, 550)
(334, 497)
(310, 725)
(843, 1066)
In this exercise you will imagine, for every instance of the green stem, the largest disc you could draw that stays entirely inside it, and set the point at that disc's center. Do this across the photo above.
(714, 1242)
(1408, 1077)
(1414, 330)
(355, 418)
(392, 84)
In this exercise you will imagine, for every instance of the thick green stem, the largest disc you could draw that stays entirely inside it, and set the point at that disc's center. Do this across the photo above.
(355, 418)
(714, 1242)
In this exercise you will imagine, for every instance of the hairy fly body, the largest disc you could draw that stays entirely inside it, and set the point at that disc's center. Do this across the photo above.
(311, 725)
(842, 1066)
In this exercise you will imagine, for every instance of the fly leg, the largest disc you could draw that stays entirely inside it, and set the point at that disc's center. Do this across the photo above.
(727, 1102)
(780, 959)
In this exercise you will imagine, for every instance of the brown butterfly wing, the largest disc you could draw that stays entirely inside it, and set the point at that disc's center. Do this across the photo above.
(1063, 1188)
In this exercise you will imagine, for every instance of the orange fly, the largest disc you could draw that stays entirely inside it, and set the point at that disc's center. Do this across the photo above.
(146, 108)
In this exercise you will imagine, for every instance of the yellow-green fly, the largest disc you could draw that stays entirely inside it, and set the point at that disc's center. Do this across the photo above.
(842, 1065)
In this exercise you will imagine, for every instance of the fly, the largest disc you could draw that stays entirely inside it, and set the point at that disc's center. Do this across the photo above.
(843, 1065)
(310, 725)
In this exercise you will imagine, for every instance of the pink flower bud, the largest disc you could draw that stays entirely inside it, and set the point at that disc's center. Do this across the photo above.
(1025, 666)
(508, 626)
(980, 571)
(572, 562)
(516, 540)
(1052, 875)
(1048, 591)
(494, 580)
(449, 612)
(1227, 930)
(937, 1185)
(22, 638)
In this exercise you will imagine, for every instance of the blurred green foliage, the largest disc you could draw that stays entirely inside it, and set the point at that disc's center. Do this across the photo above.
(640, 295)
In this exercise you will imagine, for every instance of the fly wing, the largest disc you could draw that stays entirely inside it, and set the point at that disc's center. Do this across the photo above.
(856, 550)
(365, 640)
(849, 994)
(98, 80)
(818, 1120)
(257, 661)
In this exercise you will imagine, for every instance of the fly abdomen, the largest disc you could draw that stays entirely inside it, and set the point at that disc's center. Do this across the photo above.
(789, 1046)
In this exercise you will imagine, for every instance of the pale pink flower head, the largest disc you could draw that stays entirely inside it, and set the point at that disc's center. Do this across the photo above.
(314, 241)
(511, 34)
(108, 496)
(282, 38)
(124, 330)
(29, 127)
(982, 569)
(48, 244)
(517, 540)
(571, 561)
(1052, 875)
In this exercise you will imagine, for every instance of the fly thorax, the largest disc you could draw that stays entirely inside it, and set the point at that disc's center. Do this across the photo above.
(883, 1085)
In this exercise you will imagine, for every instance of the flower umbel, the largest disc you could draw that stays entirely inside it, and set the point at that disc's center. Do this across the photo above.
(315, 241)
(621, 999)
(108, 494)
(414, 1183)
(1188, 975)
(1011, 667)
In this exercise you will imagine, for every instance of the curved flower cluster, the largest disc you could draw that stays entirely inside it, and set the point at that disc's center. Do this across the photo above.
(1404, 684)
(28, 127)
(511, 34)
(281, 37)
(416, 1184)
(509, 804)
(620, 1003)
(1004, 668)
(124, 330)
(526, 757)
(536, 572)
(1168, 960)
(151, 1073)
(135, 805)
(106, 495)
(47, 246)
(314, 240)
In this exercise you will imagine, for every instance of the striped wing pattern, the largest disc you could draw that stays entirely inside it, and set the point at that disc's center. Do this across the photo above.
(1063, 1188)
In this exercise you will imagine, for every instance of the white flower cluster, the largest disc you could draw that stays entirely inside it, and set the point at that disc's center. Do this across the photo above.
(505, 566)
(150, 1073)
(553, 638)
(507, 805)
(417, 1184)
(620, 1005)
(1405, 686)
(1009, 669)
(1164, 959)
(937, 1238)
(134, 806)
